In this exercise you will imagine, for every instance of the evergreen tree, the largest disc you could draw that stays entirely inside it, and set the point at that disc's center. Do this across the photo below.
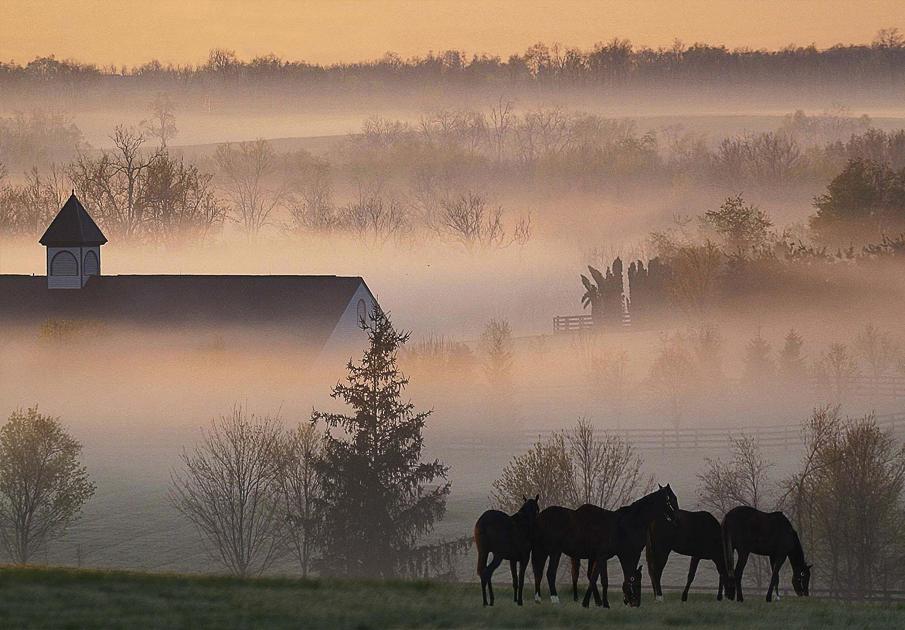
(759, 367)
(792, 366)
(374, 494)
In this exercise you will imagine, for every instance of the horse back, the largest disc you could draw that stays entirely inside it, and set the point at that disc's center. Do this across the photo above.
(698, 534)
(763, 533)
(498, 532)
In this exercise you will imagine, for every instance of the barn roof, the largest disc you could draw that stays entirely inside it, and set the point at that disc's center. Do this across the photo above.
(73, 226)
(308, 307)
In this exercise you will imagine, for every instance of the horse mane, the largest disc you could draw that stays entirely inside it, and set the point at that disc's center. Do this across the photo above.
(633, 509)
(796, 556)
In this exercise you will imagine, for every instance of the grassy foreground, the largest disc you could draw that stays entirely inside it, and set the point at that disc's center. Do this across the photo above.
(60, 598)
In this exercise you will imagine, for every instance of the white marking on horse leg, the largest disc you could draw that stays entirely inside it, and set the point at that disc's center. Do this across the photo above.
(537, 598)
(554, 599)
(778, 597)
(659, 599)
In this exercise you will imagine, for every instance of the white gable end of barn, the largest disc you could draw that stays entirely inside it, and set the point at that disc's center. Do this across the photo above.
(347, 335)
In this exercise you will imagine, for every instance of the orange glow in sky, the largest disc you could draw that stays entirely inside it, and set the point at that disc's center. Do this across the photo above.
(183, 31)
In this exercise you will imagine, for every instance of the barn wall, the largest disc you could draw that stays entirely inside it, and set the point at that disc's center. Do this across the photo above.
(347, 335)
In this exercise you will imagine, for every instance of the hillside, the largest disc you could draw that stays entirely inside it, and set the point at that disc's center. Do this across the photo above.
(62, 598)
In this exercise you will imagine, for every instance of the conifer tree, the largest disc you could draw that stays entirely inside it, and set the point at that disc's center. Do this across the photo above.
(378, 496)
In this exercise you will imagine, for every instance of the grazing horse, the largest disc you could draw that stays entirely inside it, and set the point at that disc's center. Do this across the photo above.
(586, 533)
(507, 538)
(630, 536)
(748, 530)
(695, 534)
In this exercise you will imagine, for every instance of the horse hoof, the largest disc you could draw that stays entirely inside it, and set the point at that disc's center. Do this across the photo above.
(659, 599)
(537, 599)
(554, 599)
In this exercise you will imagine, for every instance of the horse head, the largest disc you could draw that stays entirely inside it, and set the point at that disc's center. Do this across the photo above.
(801, 580)
(670, 503)
(631, 589)
(530, 508)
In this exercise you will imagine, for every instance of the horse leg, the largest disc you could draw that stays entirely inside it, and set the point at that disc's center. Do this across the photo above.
(514, 571)
(597, 599)
(488, 573)
(522, 566)
(482, 568)
(719, 571)
(538, 559)
(739, 570)
(552, 568)
(604, 584)
(692, 569)
(593, 573)
(576, 567)
(776, 565)
(655, 566)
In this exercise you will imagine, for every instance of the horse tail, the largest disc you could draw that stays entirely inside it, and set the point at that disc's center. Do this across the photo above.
(482, 553)
(727, 548)
(649, 551)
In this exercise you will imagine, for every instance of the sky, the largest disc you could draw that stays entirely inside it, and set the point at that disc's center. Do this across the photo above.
(183, 31)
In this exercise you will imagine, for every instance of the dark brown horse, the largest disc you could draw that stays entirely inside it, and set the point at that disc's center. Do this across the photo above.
(630, 536)
(695, 534)
(507, 538)
(589, 533)
(748, 530)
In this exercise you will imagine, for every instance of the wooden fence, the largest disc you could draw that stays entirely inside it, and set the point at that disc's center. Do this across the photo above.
(572, 323)
(662, 439)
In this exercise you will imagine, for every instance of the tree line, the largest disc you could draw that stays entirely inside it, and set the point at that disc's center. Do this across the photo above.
(616, 63)
(397, 180)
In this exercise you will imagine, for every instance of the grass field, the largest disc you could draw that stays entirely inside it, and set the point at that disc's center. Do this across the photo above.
(60, 598)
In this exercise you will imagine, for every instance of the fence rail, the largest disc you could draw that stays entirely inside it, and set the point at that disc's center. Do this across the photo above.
(777, 436)
(572, 323)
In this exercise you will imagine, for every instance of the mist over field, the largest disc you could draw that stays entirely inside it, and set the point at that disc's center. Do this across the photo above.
(471, 195)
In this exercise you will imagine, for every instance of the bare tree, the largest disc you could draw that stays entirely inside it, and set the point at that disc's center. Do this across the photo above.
(229, 488)
(848, 500)
(496, 346)
(376, 217)
(310, 203)
(546, 469)
(836, 371)
(606, 468)
(501, 120)
(179, 201)
(743, 480)
(162, 123)
(300, 486)
(43, 485)
(112, 184)
(247, 169)
(673, 376)
(470, 221)
(877, 349)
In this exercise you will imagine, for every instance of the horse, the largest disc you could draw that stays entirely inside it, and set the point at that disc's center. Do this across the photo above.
(507, 538)
(576, 533)
(748, 530)
(629, 539)
(695, 534)
(584, 533)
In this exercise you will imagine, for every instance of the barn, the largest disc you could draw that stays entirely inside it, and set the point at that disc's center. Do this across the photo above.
(319, 312)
